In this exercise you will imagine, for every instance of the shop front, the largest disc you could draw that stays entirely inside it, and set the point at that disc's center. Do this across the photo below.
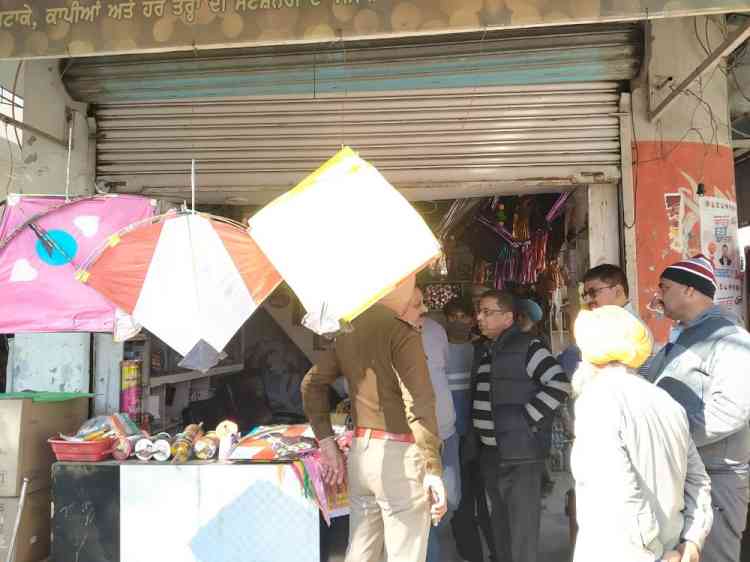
(507, 125)
(485, 115)
(508, 144)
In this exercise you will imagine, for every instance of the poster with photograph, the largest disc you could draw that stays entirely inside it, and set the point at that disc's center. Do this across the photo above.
(720, 244)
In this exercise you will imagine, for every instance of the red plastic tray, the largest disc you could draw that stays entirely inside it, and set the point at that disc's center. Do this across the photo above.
(89, 451)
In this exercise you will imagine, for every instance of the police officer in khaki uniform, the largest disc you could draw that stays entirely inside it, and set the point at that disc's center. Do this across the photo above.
(394, 468)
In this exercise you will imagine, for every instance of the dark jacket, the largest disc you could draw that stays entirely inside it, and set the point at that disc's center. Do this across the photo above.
(516, 377)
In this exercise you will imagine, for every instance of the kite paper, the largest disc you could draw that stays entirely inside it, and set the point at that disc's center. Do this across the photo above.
(43, 239)
(343, 239)
(190, 279)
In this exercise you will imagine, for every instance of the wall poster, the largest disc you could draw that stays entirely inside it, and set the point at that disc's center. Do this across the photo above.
(719, 243)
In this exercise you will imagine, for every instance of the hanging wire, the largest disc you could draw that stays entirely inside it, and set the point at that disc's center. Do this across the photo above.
(192, 142)
(192, 185)
(70, 152)
(13, 104)
(692, 129)
(11, 162)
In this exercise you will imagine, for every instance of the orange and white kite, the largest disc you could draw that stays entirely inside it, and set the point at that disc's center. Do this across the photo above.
(189, 278)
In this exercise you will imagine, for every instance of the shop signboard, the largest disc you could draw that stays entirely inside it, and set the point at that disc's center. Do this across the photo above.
(61, 28)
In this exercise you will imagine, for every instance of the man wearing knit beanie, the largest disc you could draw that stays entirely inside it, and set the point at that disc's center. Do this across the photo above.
(704, 370)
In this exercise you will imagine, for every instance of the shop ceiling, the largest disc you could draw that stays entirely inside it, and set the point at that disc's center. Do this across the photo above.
(467, 115)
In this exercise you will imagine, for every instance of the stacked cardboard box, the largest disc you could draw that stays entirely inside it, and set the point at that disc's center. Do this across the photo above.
(25, 426)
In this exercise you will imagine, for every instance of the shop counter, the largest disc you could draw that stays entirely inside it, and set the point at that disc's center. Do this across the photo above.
(195, 512)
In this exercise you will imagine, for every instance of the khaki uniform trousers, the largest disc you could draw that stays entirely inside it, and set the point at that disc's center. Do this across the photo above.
(389, 510)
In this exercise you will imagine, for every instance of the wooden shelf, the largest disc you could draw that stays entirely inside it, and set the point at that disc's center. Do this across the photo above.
(174, 378)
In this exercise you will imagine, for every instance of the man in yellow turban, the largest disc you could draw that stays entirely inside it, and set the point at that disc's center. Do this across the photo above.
(642, 491)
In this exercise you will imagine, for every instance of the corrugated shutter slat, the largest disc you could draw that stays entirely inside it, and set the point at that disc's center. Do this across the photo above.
(257, 146)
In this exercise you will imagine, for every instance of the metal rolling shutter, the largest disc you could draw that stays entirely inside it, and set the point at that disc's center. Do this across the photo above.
(455, 118)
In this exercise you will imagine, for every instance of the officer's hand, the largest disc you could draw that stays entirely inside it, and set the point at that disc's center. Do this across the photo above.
(435, 489)
(671, 556)
(332, 465)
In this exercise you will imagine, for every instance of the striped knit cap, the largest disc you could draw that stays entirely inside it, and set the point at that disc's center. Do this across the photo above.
(697, 272)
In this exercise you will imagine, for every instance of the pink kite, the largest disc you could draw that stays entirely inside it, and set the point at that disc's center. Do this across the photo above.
(43, 240)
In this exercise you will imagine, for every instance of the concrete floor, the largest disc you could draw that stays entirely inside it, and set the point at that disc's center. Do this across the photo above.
(554, 542)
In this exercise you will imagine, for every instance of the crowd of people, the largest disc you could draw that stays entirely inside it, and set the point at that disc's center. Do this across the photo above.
(456, 416)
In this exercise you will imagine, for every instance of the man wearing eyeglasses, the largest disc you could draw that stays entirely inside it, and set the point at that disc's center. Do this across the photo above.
(603, 285)
(606, 285)
(517, 385)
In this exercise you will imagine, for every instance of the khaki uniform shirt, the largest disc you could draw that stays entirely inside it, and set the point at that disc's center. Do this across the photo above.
(385, 366)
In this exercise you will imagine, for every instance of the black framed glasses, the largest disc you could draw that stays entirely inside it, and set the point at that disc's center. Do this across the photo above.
(489, 311)
(591, 294)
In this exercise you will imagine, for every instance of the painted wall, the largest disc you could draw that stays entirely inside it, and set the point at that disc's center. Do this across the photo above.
(675, 157)
(58, 362)
(39, 167)
(668, 207)
(53, 362)
(107, 357)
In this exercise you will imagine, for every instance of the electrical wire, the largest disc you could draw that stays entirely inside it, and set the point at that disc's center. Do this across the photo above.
(11, 161)
(10, 164)
(636, 161)
(737, 57)
(13, 105)
(733, 74)
(698, 37)
(734, 61)
(666, 153)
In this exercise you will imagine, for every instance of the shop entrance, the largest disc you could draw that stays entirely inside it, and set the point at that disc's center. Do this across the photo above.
(508, 145)
(537, 247)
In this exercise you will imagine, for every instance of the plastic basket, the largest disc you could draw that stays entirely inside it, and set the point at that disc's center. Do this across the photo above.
(87, 451)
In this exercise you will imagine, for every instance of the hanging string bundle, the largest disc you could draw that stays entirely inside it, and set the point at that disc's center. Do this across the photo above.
(522, 254)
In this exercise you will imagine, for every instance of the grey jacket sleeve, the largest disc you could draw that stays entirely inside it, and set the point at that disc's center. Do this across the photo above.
(698, 513)
(727, 404)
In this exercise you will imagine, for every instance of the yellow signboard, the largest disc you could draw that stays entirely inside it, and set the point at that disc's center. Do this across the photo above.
(58, 28)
